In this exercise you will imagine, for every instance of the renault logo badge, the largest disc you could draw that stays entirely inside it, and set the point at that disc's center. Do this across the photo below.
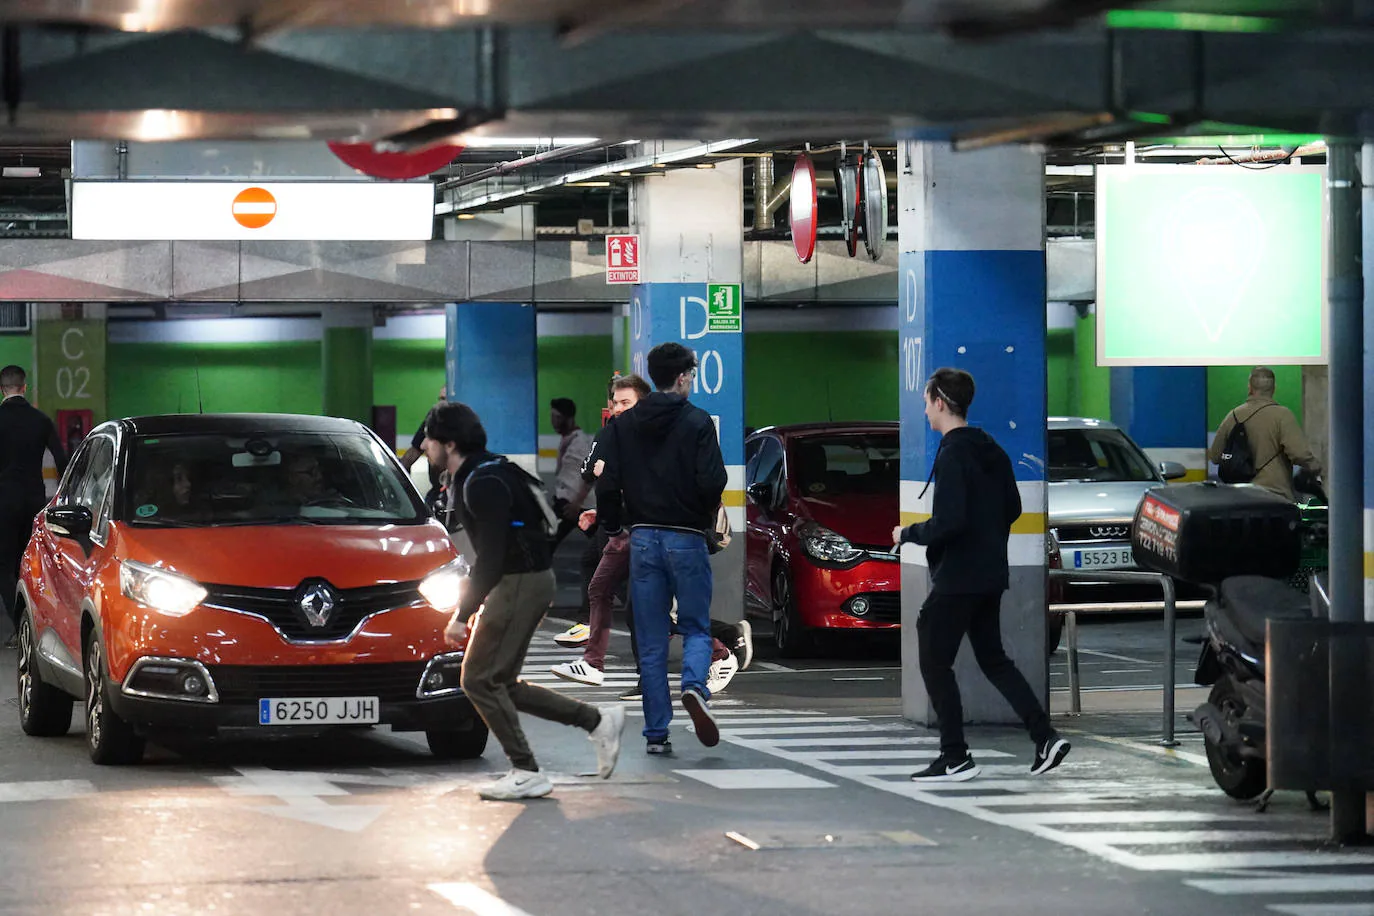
(317, 604)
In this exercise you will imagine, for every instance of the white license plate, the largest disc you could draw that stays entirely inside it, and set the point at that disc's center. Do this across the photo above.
(1103, 559)
(319, 710)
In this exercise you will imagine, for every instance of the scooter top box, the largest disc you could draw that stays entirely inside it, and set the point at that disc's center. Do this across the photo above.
(1207, 532)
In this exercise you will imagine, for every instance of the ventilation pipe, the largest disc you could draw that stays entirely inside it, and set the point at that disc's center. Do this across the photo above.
(763, 191)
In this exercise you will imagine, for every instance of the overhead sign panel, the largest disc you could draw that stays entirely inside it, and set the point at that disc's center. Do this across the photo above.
(223, 210)
(1211, 265)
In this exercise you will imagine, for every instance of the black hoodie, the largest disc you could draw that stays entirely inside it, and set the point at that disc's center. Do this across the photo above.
(664, 457)
(976, 501)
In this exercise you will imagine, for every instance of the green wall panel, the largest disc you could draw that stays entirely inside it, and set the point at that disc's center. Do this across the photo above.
(1227, 387)
(1059, 372)
(577, 368)
(811, 377)
(17, 350)
(408, 375)
(1092, 384)
(273, 377)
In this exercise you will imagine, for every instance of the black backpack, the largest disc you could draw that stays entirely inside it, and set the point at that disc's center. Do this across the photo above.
(1237, 464)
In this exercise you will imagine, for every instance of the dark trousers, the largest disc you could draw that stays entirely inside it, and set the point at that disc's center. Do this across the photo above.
(16, 525)
(495, 654)
(943, 621)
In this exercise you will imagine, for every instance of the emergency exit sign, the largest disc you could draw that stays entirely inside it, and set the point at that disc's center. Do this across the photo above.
(724, 308)
(622, 259)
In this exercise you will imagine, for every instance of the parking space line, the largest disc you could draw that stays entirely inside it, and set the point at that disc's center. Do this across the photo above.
(472, 898)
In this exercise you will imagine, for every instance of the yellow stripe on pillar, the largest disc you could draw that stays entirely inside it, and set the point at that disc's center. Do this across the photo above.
(1029, 523)
(732, 498)
(1369, 565)
(911, 518)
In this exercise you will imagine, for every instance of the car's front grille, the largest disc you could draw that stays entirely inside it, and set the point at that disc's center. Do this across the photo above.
(883, 607)
(394, 682)
(281, 606)
(1103, 532)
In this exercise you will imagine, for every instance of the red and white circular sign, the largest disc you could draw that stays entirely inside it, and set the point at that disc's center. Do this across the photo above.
(396, 166)
(802, 208)
(254, 208)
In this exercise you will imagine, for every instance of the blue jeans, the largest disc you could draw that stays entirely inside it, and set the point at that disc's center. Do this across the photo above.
(665, 565)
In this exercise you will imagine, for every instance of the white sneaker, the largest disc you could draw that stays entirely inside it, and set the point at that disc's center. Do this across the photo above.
(517, 784)
(721, 673)
(606, 738)
(745, 646)
(574, 637)
(579, 671)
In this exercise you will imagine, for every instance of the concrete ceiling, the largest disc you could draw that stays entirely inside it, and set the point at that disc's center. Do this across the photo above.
(778, 70)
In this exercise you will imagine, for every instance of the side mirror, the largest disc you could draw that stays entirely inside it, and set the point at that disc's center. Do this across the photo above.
(1172, 470)
(761, 494)
(73, 522)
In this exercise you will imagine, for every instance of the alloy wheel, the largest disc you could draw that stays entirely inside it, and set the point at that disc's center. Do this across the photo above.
(95, 693)
(782, 619)
(26, 666)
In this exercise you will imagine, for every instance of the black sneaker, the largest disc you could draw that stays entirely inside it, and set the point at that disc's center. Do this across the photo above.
(1049, 755)
(634, 693)
(658, 748)
(708, 732)
(943, 769)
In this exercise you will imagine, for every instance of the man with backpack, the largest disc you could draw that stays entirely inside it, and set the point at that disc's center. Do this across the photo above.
(1260, 441)
(508, 520)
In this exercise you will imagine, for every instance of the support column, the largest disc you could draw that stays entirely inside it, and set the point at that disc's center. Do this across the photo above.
(1165, 411)
(347, 361)
(691, 226)
(491, 365)
(972, 296)
(67, 375)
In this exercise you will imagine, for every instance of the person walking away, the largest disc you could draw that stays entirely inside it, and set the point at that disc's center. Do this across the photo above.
(501, 508)
(976, 501)
(1275, 439)
(663, 480)
(25, 433)
(569, 492)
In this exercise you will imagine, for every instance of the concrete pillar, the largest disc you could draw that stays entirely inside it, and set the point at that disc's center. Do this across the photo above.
(491, 365)
(347, 361)
(691, 227)
(1165, 411)
(972, 269)
(67, 374)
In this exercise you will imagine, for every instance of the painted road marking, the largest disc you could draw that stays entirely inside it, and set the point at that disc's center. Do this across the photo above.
(756, 779)
(45, 790)
(472, 898)
(303, 796)
(1171, 837)
(1304, 884)
(1324, 909)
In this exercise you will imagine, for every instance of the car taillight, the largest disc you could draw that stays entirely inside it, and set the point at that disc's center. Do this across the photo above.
(1054, 586)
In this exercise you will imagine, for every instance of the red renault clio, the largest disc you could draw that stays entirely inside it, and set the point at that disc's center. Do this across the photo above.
(821, 508)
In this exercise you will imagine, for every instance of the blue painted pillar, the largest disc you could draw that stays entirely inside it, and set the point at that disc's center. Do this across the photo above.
(692, 250)
(490, 365)
(972, 297)
(1165, 411)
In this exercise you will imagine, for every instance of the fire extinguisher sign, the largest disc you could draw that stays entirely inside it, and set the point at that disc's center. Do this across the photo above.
(622, 259)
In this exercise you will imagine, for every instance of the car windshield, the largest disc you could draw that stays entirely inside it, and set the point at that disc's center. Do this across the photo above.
(823, 468)
(278, 478)
(1099, 455)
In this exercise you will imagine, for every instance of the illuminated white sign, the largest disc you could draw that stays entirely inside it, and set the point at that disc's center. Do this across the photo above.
(224, 210)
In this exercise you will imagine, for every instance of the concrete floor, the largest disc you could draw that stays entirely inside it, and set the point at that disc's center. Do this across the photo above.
(812, 770)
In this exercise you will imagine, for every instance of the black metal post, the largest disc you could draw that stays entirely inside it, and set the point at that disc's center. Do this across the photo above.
(1346, 472)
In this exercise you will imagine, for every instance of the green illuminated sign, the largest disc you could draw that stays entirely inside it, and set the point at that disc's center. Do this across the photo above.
(1210, 265)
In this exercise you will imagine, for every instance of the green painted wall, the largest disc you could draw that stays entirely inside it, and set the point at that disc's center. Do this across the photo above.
(800, 378)
(407, 374)
(1227, 386)
(577, 368)
(1092, 384)
(1059, 372)
(17, 350)
(146, 378)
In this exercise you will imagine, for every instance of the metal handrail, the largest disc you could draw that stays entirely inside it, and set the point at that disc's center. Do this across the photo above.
(1071, 611)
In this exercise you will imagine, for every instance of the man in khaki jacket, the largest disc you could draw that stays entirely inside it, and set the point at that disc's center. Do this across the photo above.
(1275, 438)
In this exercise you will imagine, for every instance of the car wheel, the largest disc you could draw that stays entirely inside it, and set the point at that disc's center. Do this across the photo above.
(459, 744)
(44, 711)
(789, 636)
(1240, 778)
(110, 740)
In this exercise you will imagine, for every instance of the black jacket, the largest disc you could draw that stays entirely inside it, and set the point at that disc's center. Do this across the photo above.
(502, 521)
(976, 501)
(25, 433)
(663, 467)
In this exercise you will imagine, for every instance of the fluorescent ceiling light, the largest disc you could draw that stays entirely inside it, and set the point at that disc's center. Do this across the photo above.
(589, 184)
(485, 142)
(21, 171)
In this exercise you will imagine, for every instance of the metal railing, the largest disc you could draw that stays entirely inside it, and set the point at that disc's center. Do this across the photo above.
(1169, 605)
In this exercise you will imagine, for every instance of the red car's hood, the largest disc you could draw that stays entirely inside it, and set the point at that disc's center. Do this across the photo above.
(281, 556)
(863, 518)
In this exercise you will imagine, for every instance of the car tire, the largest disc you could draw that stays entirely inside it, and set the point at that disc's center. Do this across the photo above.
(458, 744)
(1054, 633)
(109, 739)
(790, 637)
(44, 711)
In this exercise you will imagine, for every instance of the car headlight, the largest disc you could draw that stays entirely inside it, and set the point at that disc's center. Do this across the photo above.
(443, 588)
(822, 544)
(167, 592)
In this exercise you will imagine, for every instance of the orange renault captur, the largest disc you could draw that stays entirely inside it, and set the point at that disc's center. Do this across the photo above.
(267, 572)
